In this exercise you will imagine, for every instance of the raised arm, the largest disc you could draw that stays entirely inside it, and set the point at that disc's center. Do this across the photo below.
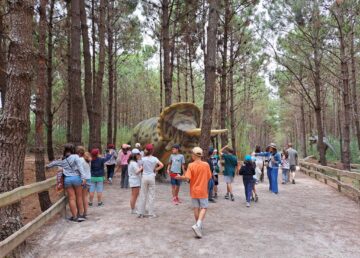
(56, 163)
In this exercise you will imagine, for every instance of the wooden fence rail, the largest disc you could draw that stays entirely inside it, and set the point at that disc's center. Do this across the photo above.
(345, 181)
(7, 198)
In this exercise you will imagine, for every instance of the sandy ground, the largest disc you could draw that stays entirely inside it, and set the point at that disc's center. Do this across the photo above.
(308, 219)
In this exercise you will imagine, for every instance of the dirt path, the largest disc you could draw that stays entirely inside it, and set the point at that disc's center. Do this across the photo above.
(308, 219)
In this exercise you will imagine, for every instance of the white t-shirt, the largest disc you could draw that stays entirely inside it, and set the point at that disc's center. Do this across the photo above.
(87, 168)
(134, 177)
(149, 165)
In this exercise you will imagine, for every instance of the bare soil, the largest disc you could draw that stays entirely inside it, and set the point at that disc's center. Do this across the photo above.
(308, 219)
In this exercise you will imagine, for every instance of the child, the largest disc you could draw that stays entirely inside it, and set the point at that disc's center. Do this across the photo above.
(85, 158)
(123, 157)
(212, 165)
(97, 175)
(256, 177)
(134, 171)
(151, 165)
(74, 177)
(199, 174)
(248, 171)
(230, 165)
(110, 164)
(215, 160)
(175, 167)
(285, 166)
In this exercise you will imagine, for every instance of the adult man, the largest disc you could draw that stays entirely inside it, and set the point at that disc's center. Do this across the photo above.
(199, 174)
(175, 166)
(293, 161)
(230, 165)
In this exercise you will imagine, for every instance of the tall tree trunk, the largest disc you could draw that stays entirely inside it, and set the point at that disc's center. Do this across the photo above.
(317, 85)
(115, 95)
(161, 75)
(178, 76)
(303, 127)
(97, 90)
(354, 87)
(3, 58)
(339, 16)
(76, 99)
(110, 74)
(14, 120)
(339, 123)
(210, 77)
(232, 95)
(44, 197)
(68, 57)
(191, 75)
(166, 51)
(186, 76)
(87, 64)
(223, 84)
(48, 105)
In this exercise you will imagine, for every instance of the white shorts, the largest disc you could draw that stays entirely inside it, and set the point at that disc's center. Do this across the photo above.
(229, 179)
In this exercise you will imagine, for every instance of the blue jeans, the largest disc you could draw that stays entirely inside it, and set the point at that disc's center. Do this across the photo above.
(175, 182)
(285, 175)
(268, 171)
(211, 187)
(248, 185)
(110, 171)
(72, 181)
(274, 178)
(124, 183)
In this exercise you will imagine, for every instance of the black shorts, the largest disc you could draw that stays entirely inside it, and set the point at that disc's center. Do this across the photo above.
(292, 168)
(216, 181)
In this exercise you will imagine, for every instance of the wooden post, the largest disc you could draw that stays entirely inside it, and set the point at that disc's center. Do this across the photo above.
(339, 179)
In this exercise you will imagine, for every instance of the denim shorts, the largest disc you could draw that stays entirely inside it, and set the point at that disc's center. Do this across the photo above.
(70, 181)
(175, 182)
(200, 203)
(97, 187)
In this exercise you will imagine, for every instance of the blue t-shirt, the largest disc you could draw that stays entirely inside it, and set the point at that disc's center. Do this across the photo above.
(176, 160)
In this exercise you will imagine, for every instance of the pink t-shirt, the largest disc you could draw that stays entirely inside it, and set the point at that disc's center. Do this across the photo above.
(123, 158)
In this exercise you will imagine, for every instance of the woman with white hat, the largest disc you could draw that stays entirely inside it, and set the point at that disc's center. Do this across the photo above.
(275, 161)
(134, 171)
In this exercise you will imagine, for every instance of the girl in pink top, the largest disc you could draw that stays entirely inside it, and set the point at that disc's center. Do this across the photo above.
(123, 157)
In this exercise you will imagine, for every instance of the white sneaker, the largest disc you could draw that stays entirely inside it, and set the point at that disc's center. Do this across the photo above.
(133, 211)
(197, 231)
(247, 204)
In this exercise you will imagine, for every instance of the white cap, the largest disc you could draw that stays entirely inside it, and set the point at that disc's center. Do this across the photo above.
(137, 145)
(197, 151)
(135, 152)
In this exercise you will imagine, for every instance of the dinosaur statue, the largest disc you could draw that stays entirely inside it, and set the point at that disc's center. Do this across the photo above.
(178, 123)
(313, 140)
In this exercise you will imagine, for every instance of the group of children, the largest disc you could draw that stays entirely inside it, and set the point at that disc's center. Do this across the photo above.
(84, 173)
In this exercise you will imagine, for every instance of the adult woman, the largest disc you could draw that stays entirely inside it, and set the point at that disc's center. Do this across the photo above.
(275, 161)
(134, 171)
(97, 175)
(85, 158)
(74, 177)
(151, 165)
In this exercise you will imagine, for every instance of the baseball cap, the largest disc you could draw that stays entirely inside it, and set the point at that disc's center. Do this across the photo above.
(137, 145)
(149, 147)
(197, 151)
(176, 146)
(135, 151)
(247, 158)
(95, 153)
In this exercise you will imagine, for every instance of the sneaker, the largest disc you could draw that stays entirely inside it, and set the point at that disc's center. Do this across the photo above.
(133, 211)
(73, 219)
(212, 200)
(227, 196)
(81, 218)
(232, 197)
(293, 181)
(248, 204)
(100, 204)
(197, 231)
(90, 204)
(140, 216)
(110, 181)
(256, 198)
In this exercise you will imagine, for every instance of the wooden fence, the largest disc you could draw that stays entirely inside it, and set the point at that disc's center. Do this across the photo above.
(345, 181)
(16, 195)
